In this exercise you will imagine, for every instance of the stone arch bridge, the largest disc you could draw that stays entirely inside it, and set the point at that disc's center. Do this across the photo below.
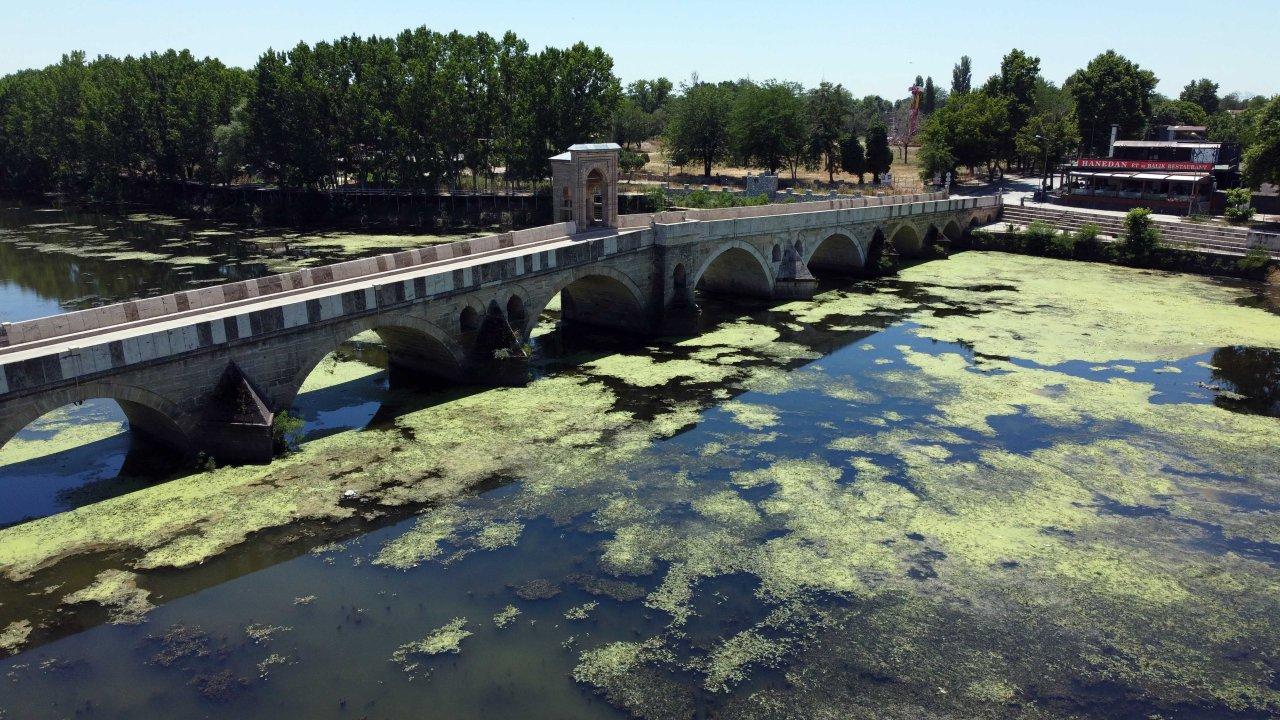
(205, 370)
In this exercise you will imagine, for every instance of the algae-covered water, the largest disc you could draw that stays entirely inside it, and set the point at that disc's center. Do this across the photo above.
(992, 486)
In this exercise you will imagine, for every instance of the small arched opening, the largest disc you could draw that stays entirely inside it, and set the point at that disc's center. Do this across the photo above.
(516, 316)
(599, 306)
(468, 320)
(952, 230)
(85, 452)
(906, 241)
(799, 246)
(595, 194)
(373, 374)
(776, 255)
(837, 255)
(735, 270)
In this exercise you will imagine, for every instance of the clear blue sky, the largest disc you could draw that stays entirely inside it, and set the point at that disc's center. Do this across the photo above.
(869, 47)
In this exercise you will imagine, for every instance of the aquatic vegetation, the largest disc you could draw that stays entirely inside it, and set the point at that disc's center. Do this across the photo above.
(581, 612)
(729, 661)
(15, 635)
(445, 639)
(756, 417)
(506, 616)
(118, 591)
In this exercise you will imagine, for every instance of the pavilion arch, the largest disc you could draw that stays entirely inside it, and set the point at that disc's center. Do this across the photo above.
(416, 349)
(837, 254)
(598, 296)
(735, 268)
(595, 197)
(906, 240)
(149, 415)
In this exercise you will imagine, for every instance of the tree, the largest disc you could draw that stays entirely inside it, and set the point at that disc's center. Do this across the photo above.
(1202, 92)
(1178, 112)
(853, 159)
(650, 95)
(829, 108)
(1262, 159)
(768, 128)
(698, 126)
(970, 130)
(1017, 83)
(1051, 132)
(879, 154)
(961, 76)
(1110, 90)
(631, 124)
(930, 100)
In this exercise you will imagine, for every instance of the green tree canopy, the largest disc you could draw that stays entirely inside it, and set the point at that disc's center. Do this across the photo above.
(853, 158)
(1111, 89)
(1178, 112)
(962, 76)
(1262, 159)
(698, 125)
(1202, 92)
(829, 108)
(768, 128)
(879, 154)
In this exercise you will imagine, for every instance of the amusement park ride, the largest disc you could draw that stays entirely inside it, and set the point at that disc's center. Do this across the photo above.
(904, 134)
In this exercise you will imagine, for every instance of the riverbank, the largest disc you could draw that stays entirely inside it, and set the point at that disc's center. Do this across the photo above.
(1073, 246)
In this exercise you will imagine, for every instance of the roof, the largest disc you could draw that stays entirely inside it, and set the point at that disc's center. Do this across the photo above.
(1175, 177)
(562, 156)
(1188, 128)
(589, 147)
(1166, 144)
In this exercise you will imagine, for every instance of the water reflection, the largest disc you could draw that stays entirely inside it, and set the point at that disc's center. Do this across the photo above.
(1252, 377)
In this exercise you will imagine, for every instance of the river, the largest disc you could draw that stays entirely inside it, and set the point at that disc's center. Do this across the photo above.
(990, 486)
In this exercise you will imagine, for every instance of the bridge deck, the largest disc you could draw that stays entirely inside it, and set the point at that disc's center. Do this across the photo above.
(63, 343)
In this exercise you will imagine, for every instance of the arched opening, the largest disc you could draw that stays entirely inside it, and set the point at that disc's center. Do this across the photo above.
(951, 231)
(876, 250)
(371, 375)
(735, 270)
(679, 282)
(776, 255)
(593, 311)
(906, 241)
(566, 205)
(837, 255)
(799, 246)
(84, 452)
(595, 192)
(468, 320)
(516, 316)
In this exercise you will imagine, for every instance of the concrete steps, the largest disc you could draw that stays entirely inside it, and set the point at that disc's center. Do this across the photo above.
(1225, 240)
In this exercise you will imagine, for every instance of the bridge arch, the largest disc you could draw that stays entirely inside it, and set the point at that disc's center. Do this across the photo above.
(837, 254)
(736, 267)
(416, 349)
(595, 295)
(149, 414)
(952, 230)
(906, 240)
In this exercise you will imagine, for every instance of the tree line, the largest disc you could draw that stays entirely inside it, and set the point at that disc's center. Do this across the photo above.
(415, 110)
(424, 109)
(1019, 118)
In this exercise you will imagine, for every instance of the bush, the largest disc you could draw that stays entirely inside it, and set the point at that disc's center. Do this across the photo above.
(1141, 236)
(657, 199)
(1038, 236)
(1063, 245)
(286, 432)
(1254, 261)
(1087, 244)
(1239, 209)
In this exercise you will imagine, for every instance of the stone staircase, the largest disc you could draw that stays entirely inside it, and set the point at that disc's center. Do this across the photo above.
(1193, 236)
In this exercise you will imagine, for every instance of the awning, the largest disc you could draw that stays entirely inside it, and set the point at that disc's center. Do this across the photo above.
(1150, 176)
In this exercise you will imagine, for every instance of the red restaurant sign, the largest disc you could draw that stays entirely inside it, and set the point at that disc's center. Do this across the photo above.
(1115, 164)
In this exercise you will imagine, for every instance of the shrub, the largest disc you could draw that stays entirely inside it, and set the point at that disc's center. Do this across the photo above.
(286, 431)
(1141, 236)
(1254, 261)
(1087, 244)
(1239, 209)
(1038, 236)
(657, 199)
(1063, 245)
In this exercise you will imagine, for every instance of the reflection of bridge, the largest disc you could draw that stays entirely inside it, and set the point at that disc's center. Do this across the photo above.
(206, 369)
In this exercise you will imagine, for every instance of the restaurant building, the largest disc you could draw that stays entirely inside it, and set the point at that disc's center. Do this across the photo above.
(1179, 172)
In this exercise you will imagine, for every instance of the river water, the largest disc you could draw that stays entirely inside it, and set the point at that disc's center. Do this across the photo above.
(991, 486)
